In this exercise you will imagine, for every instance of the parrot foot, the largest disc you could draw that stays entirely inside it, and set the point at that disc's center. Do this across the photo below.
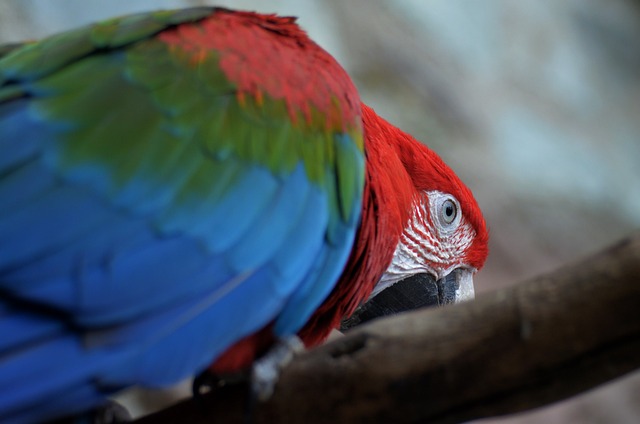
(266, 370)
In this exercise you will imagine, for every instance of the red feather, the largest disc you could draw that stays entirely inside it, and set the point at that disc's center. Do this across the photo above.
(247, 41)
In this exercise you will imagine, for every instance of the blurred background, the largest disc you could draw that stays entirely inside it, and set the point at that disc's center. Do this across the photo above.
(534, 103)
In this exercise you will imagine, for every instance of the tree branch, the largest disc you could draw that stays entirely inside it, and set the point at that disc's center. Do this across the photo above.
(507, 351)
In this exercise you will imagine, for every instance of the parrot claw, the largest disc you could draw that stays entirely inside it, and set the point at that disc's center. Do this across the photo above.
(266, 370)
(207, 381)
(204, 383)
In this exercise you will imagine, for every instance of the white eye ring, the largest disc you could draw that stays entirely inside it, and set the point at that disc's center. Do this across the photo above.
(446, 211)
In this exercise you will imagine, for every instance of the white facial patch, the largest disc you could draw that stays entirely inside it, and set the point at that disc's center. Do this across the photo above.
(434, 240)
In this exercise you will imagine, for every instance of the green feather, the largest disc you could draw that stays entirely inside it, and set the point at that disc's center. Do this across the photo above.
(350, 176)
(34, 60)
(11, 92)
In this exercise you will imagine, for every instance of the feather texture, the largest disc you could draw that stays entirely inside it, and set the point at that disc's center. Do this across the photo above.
(154, 209)
(180, 188)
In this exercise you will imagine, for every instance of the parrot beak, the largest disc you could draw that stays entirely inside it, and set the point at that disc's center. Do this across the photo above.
(417, 291)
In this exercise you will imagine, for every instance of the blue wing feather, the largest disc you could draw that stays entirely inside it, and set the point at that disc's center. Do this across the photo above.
(24, 327)
(19, 135)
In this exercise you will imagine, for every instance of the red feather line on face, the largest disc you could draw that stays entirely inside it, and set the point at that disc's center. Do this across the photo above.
(246, 42)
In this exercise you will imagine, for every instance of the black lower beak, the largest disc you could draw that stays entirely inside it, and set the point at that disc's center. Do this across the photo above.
(417, 291)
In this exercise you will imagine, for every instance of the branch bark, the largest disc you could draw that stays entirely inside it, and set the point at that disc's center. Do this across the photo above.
(509, 350)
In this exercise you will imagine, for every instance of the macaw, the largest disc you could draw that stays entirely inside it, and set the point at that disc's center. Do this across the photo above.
(180, 190)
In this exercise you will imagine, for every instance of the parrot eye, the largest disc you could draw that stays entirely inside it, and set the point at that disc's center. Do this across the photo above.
(447, 211)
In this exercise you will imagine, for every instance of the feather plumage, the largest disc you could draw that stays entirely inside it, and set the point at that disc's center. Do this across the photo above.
(181, 187)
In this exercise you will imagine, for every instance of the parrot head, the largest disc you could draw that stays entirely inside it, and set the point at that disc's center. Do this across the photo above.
(442, 240)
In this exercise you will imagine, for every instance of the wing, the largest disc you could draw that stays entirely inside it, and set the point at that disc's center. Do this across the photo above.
(159, 204)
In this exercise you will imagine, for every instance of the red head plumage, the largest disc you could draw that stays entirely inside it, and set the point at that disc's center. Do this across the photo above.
(401, 173)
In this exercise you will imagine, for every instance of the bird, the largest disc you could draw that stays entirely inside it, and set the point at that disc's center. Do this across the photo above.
(183, 190)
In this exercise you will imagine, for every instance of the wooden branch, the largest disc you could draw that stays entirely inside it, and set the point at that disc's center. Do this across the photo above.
(507, 351)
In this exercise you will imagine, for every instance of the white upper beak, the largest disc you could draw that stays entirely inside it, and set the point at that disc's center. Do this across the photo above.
(465, 285)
